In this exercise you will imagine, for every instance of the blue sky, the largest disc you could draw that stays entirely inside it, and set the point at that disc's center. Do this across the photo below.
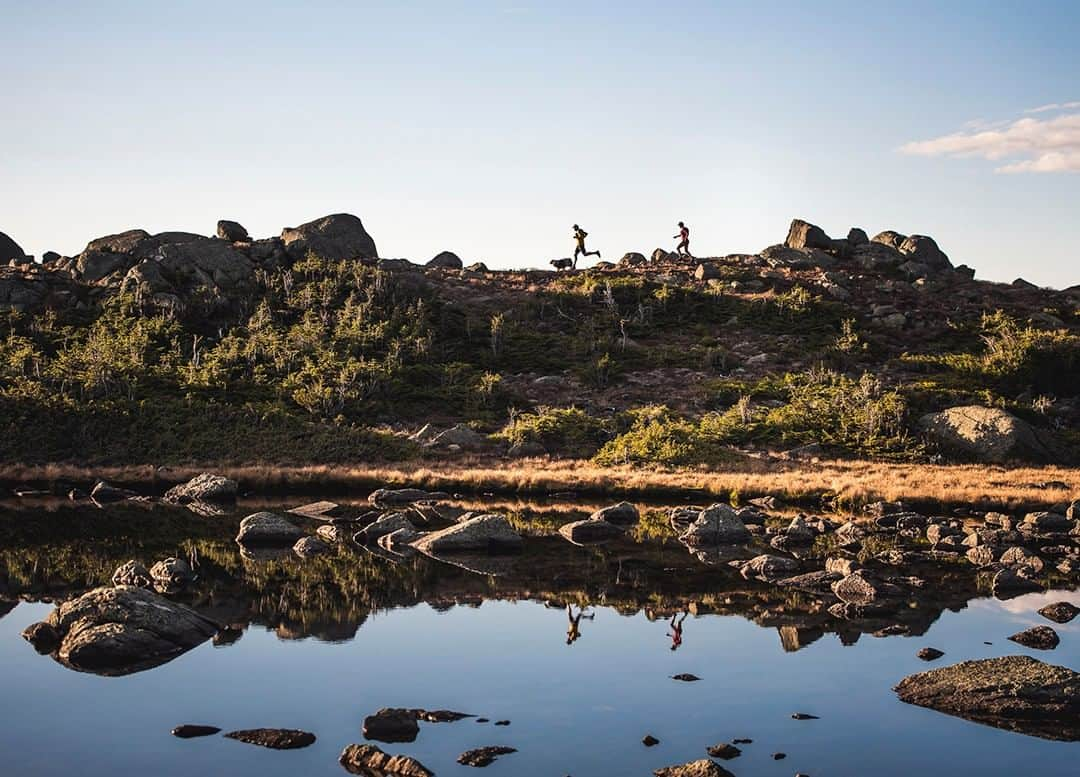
(488, 128)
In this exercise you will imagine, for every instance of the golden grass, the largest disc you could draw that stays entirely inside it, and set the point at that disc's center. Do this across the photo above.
(848, 483)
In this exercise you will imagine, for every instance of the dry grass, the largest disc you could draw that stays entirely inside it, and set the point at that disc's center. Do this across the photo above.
(846, 483)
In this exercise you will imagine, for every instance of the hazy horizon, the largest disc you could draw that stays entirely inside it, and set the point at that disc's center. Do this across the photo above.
(488, 129)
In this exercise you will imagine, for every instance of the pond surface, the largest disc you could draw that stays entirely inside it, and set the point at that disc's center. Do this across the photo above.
(329, 640)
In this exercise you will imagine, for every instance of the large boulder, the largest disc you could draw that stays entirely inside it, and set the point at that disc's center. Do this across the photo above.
(267, 529)
(116, 631)
(802, 234)
(96, 266)
(716, 525)
(1018, 693)
(206, 262)
(487, 533)
(232, 231)
(10, 250)
(120, 243)
(923, 249)
(446, 259)
(205, 487)
(336, 237)
(987, 434)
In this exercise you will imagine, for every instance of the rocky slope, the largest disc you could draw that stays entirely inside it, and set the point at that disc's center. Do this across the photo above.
(915, 357)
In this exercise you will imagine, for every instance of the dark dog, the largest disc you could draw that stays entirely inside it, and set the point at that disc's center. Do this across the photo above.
(562, 264)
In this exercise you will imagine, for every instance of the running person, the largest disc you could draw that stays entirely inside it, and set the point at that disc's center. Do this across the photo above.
(684, 240)
(579, 236)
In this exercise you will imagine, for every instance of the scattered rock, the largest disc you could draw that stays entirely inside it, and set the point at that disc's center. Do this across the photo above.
(930, 654)
(392, 724)
(803, 716)
(482, 756)
(716, 525)
(649, 740)
(1018, 693)
(42, 636)
(702, 768)
(724, 751)
(206, 487)
(132, 573)
(267, 529)
(1037, 637)
(779, 756)
(768, 568)
(502, 722)
(386, 497)
(369, 760)
(685, 677)
(274, 738)
(1060, 612)
(190, 731)
(489, 533)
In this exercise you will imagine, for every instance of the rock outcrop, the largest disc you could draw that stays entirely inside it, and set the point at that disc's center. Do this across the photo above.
(10, 251)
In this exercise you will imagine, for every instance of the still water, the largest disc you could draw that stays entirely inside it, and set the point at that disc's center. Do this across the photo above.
(330, 640)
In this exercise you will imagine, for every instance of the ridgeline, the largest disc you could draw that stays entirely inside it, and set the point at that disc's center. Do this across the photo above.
(179, 348)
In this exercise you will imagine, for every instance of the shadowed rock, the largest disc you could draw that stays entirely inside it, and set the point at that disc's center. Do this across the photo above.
(1017, 693)
(392, 724)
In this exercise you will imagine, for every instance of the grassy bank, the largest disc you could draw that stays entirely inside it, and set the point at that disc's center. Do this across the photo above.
(839, 484)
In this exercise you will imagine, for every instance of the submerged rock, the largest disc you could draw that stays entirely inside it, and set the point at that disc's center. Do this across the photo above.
(1018, 693)
(370, 761)
(116, 631)
(203, 488)
(267, 529)
(1060, 612)
(483, 756)
(490, 533)
(702, 768)
(1037, 637)
(274, 738)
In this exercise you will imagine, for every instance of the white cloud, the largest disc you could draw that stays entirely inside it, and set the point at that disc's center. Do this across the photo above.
(1055, 107)
(1027, 145)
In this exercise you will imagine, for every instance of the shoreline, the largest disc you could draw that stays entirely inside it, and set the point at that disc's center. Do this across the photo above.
(836, 484)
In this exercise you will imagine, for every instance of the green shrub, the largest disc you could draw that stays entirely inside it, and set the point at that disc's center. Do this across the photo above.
(567, 431)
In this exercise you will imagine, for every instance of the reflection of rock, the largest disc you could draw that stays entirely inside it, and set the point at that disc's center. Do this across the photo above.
(370, 761)
(794, 638)
(208, 509)
(274, 738)
(193, 730)
(322, 511)
(120, 630)
(1018, 693)
(267, 529)
(262, 554)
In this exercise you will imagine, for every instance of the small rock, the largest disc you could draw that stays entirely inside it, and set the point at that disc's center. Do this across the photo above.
(649, 740)
(391, 724)
(482, 756)
(1060, 612)
(724, 751)
(190, 731)
(686, 677)
(502, 722)
(803, 716)
(779, 756)
(274, 738)
(1037, 637)
(930, 654)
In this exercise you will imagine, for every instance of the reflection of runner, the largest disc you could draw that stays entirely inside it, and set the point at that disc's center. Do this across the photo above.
(573, 631)
(676, 630)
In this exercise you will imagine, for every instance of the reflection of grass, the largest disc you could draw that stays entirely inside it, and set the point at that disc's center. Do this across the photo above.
(654, 525)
